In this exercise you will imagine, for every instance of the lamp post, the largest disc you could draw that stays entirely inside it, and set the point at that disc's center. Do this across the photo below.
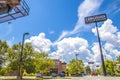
(21, 57)
(76, 56)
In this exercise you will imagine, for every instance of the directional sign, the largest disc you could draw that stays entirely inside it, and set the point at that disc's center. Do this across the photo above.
(96, 18)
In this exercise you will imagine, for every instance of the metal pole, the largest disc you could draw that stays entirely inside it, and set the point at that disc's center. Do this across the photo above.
(21, 58)
(102, 58)
(76, 56)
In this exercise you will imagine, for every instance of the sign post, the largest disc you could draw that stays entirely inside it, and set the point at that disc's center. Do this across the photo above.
(95, 19)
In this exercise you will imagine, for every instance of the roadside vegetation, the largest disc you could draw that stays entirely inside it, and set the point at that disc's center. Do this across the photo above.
(34, 62)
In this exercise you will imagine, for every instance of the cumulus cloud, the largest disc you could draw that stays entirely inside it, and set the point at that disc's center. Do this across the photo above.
(86, 8)
(97, 55)
(10, 41)
(69, 47)
(110, 35)
(40, 43)
(107, 32)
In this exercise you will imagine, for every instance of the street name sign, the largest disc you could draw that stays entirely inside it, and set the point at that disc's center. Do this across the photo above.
(96, 18)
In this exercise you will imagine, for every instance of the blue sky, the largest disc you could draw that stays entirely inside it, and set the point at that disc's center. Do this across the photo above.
(57, 27)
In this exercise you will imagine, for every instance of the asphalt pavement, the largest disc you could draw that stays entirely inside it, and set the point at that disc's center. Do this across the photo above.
(68, 78)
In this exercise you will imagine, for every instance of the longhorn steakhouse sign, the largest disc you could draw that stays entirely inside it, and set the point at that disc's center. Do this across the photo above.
(96, 18)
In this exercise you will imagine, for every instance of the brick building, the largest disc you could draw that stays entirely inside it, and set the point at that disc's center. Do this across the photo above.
(58, 66)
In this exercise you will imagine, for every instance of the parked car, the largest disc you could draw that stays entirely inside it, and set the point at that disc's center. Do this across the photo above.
(54, 74)
(94, 74)
(62, 74)
(39, 75)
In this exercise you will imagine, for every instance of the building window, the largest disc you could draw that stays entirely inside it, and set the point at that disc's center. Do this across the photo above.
(56, 63)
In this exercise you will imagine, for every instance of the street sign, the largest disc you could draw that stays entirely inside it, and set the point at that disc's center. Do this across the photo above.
(96, 18)
(90, 62)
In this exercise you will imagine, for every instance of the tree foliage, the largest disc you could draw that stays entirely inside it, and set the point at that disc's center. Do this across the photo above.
(32, 61)
(75, 66)
(88, 70)
(118, 59)
(3, 50)
(42, 62)
(110, 67)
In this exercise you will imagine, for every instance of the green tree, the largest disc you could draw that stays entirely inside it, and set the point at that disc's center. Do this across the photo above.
(110, 67)
(3, 50)
(42, 62)
(88, 70)
(28, 58)
(13, 57)
(118, 66)
(118, 59)
(75, 66)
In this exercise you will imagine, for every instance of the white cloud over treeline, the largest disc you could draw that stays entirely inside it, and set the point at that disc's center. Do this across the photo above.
(66, 47)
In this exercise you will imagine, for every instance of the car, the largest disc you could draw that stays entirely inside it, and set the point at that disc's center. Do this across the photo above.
(54, 74)
(94, 74)
(39, 75)
(62, 74)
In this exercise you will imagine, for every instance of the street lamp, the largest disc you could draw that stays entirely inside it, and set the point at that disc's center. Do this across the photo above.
(21, 57)
(76, 56)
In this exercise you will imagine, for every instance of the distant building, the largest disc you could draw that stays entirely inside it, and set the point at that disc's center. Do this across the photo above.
(59, 66)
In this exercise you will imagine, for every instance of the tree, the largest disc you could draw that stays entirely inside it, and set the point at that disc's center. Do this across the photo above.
(118, 59)
(75, 66)
(42, 62)
(88, 70)
(3, 50)
(13, 57)
(118, 66)
(110, 67)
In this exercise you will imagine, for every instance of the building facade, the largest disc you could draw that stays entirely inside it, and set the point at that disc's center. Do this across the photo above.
(59, 66)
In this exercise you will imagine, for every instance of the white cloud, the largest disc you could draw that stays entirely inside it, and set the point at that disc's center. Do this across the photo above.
(107, 31)
(68, 47)
(86, 8)
(96, 52)
(65, 49)
(40, 43)
(51, 32)
(111, 37)
(109, 47)
(10, 42)
(114, 8)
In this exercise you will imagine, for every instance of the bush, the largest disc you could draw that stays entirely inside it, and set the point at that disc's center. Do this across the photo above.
(3, 72)
(27, 74)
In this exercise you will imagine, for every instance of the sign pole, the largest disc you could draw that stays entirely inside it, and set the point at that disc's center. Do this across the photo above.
(102, 59)
(95, 19)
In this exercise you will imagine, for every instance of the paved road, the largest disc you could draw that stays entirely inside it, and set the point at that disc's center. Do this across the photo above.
(95, 78)
(89, 78)
(71, 78)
